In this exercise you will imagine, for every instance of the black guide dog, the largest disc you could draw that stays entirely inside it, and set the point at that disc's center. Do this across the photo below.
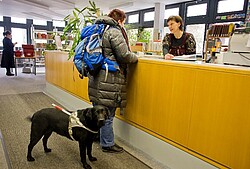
(49, 120)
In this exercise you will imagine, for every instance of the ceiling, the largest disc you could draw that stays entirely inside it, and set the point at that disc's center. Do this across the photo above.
(58, 9)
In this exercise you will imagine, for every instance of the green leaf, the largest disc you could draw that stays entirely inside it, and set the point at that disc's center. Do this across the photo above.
(78, 10)
(67, 17)
(75, 15)
(77, 20)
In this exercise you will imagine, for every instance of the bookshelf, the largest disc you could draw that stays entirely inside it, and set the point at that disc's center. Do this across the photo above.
(214, 36)
(45, 40)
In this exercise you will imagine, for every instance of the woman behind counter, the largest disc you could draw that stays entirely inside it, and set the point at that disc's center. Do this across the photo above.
(8, 53)
(178, 42)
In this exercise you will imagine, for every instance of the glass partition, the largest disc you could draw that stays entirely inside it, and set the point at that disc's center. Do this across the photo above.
(19, 35)
(132, 34)
(230, 6)
(133, 18)
(197, 10)
(149, 16)
(58, 23)
(170, 12)
(198, 30)
(18, 20)
(1, 37)
(40, 22)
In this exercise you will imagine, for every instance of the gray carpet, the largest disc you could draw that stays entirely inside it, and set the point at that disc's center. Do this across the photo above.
(65, 154)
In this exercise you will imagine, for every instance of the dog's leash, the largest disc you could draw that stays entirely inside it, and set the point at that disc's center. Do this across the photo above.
(73, 121)
(59, 108)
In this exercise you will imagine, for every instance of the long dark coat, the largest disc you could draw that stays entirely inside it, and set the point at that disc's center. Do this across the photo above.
(8, 54)
(112, 91)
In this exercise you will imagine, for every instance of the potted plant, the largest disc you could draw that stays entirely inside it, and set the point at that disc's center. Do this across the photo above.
(77, 20)
(143, 35)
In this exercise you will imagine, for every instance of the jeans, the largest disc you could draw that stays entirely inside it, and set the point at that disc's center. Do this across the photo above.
(106, 132)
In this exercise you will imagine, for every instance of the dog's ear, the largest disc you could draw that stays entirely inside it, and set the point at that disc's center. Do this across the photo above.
(88, 113)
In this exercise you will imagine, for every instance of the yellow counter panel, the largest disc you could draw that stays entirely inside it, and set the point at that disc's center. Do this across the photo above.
(202, 109)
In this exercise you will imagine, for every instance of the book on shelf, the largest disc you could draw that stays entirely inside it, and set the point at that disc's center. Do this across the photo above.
(221, 30)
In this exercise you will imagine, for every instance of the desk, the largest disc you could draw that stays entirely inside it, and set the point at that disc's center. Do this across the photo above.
(212, 122)
(30, 58)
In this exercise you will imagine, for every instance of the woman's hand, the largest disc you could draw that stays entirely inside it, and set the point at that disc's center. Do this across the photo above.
(169, 56)
(14, 43)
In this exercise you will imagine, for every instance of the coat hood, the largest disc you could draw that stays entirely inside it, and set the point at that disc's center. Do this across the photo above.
(106, 20)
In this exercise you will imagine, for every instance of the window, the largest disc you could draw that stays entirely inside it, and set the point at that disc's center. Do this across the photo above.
(197, 10)
(149, 16)
(19, 35)
(230, 6)
(166, 30)
(1, 18)
(1, 37)
(170, 12)
(132, 34)
(40, 22)
(59, 23)
(150, 32)
(198, 31)
(18, 20)
(133, 18)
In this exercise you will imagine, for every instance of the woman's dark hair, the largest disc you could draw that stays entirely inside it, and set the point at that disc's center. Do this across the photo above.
(6, 33)
(117, 15)
(177, 19)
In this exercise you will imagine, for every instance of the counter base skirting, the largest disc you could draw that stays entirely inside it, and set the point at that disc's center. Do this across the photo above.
(153, 147)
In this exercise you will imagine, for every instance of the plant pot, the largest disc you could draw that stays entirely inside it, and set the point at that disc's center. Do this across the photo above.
(18, 53)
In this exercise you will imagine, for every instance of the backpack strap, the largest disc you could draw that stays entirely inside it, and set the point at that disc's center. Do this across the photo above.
(106, 27)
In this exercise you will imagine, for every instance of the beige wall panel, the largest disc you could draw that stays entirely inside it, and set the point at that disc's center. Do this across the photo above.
(220, 120)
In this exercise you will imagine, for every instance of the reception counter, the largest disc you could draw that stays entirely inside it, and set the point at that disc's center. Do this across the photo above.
(202, 109)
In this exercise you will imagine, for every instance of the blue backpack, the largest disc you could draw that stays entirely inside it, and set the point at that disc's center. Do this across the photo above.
(89, 58)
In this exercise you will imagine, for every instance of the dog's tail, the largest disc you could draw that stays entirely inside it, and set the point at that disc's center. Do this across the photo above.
(29, 118)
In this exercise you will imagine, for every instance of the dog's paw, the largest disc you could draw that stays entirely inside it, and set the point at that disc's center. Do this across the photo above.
(92, 158)
(86, 166)
(48, 150)
(30, 159)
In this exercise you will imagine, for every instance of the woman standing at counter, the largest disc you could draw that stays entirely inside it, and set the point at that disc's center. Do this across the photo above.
(178, 42)
(8, 53)
(111, 91)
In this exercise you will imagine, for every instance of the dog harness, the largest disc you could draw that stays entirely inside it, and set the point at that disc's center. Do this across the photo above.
(74, 121)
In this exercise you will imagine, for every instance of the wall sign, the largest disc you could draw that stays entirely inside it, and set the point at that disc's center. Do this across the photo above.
(232, 16)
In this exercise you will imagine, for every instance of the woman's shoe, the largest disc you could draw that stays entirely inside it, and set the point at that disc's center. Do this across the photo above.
(9, 74)
(112, 149)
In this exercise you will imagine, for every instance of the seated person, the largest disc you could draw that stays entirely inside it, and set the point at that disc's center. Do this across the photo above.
(178, 42)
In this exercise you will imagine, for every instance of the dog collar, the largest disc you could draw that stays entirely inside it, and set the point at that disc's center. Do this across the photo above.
(74, 121)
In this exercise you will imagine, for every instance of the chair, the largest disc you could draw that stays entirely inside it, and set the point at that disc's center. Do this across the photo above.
(28, 51)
